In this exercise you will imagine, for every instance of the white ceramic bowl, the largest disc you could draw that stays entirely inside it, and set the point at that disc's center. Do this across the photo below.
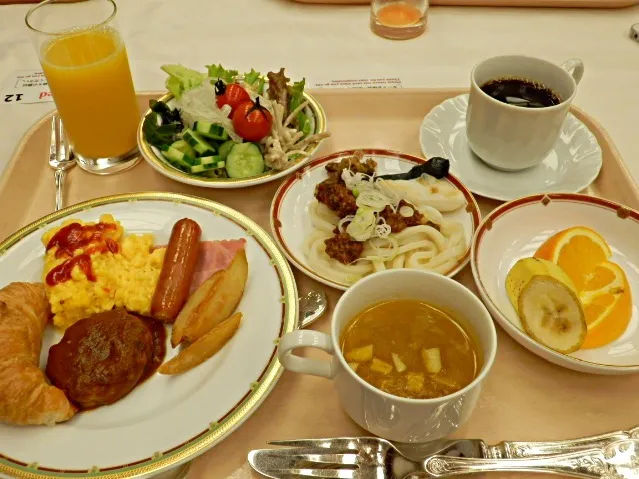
(516, 229)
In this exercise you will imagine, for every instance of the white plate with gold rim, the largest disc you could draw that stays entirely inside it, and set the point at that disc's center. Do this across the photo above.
(516, 229)
(154, 158)
(166, 420)
(290, 218)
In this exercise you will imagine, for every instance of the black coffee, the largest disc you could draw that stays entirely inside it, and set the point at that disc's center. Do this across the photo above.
(521, 92)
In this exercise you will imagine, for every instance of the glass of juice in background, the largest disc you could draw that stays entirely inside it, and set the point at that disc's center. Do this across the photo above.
(85, 62)
(399, 19)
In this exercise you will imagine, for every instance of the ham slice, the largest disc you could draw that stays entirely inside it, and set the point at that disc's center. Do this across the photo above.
(214, 256)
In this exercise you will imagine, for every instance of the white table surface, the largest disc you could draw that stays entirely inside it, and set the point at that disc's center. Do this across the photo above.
(335, 42)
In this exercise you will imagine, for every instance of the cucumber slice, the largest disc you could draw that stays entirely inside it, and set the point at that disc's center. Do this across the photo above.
(178, 159)
(184, 147)
(244, 160)
(209, 160)
(209, 130)
(196, 169)
(225, 148)
(201, 146)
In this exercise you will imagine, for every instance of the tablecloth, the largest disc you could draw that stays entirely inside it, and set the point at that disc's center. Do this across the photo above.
(335, 42)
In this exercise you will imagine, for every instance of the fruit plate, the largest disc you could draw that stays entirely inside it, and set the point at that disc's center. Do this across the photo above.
(154, 158)
(516, 229)
(168, 419)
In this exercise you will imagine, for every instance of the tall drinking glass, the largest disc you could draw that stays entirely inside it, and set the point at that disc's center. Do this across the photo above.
(84, 59)
(399, 19)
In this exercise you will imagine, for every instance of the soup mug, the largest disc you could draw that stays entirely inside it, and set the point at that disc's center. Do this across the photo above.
(385, 415)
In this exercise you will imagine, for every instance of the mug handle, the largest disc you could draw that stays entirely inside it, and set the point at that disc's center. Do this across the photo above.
(575, 67)
(306, 339)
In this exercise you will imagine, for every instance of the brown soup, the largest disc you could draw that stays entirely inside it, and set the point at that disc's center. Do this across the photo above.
(410, 349)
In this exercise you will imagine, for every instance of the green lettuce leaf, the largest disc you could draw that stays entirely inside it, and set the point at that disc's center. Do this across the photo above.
(218, 71)
(296, 98)
(182, 79)
(160, 135)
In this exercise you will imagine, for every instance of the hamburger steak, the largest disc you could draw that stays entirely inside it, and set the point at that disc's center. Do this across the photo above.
(101, 358)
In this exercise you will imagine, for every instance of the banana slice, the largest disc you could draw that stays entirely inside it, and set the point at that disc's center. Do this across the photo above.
(547, 303)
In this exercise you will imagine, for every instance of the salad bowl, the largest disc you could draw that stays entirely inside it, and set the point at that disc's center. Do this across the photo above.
(168, 106)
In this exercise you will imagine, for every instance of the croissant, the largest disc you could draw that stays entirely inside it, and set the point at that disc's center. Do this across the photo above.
(25, 394)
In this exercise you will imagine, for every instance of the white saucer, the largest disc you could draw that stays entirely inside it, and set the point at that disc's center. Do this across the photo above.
(572, 165)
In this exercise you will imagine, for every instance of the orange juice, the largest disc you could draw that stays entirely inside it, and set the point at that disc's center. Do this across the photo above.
(398, 14)
(90, 80)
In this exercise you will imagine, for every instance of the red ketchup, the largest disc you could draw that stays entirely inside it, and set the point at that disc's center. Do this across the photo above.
(91, 238)
(75, 236)
(62, 272)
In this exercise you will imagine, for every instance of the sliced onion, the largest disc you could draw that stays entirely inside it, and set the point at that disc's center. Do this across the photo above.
(362, 225)
(345, 219)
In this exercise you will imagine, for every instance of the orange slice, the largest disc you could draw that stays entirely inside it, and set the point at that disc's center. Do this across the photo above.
(577, 251)
(607, 303)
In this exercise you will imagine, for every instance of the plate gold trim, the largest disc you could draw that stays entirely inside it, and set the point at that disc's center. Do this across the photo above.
(210, 435)
(160, 164)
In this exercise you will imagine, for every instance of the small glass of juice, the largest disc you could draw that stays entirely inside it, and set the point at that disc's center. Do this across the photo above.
(86, 65)
(399, 19)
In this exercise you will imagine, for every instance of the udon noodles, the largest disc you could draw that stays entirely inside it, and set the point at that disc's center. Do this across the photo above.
(437, 245)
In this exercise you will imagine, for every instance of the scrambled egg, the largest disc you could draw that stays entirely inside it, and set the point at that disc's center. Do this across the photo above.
(124, 279)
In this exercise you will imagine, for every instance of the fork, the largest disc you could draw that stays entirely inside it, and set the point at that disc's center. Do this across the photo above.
(357, 457)
(617, 460)
(60, 158)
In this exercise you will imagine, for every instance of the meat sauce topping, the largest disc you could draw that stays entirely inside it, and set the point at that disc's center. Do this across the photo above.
(333, 193)
(70, 238)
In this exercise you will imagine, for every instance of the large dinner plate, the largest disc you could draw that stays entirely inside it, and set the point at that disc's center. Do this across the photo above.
(290, 218)
(516, 230)
(153, 156)
(166, 420)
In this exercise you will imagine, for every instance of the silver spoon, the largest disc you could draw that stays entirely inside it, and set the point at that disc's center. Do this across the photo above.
(312, 306)
(60, 159)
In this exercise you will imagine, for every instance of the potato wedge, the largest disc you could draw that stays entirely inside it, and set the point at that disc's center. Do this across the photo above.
(212, 302)
(204, 348)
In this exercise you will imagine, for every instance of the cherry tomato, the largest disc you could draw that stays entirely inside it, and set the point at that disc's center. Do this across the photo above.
(233, 95)
(252, 121)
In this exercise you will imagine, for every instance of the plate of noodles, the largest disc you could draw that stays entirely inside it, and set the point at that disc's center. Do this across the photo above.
(356, 212)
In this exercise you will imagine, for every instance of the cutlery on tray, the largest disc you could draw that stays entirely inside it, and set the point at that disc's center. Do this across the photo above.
(359, 457)
(60, 159)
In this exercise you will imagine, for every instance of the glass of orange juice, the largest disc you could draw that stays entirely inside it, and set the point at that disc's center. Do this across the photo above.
(86, 65)
(399, 19)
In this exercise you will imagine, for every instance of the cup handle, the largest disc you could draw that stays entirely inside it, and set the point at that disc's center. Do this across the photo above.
(306, 339)
(575, 67)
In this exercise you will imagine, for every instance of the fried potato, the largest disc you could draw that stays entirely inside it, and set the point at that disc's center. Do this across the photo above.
(212, 302)
(203, 348)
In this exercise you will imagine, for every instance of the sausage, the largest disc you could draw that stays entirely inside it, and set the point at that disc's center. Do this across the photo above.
(177, 272)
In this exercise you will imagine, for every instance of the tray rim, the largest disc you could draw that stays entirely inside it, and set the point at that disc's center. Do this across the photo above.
(215, 433)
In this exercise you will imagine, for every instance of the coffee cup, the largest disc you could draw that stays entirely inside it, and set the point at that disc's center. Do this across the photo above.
(503, 133)
(386, 415)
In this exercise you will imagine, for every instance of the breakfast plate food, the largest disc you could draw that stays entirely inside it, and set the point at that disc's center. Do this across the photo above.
(343, 217)
(573, 164)
(138, 331)
(560, 272)
(223, 129)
